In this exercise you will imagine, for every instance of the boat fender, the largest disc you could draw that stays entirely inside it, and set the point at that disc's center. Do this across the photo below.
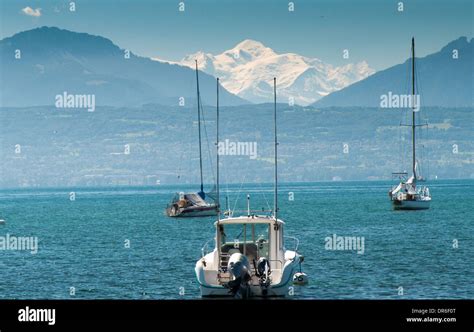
(300, 278)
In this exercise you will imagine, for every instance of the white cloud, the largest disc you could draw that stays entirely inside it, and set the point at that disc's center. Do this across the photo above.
(31, 12)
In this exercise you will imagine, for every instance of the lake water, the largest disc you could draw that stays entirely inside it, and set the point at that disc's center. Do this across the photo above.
(83, 244)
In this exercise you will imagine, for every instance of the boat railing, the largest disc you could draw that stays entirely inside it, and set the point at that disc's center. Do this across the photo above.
(252, 212)
(423, 191)
(297, 242)
(205, 248)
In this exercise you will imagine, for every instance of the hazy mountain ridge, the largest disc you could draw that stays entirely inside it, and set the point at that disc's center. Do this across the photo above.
(442, 80)
(75, 147)
(54, 60)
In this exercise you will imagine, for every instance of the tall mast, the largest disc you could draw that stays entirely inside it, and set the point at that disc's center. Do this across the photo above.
(217, 156)
(275, 198)
(201, 193)
(413, 125)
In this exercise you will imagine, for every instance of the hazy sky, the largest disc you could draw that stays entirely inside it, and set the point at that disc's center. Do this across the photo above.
(372, 30)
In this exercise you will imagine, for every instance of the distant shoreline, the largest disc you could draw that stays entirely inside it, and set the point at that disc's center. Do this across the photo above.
(224, 185)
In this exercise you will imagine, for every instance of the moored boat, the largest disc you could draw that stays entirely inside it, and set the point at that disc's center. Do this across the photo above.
(408, 195)
(193, 204)
(250, 258)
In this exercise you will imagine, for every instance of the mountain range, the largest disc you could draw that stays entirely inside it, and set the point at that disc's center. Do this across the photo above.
(248, 68)
(142, 116)
(444, 79)
(36, 65)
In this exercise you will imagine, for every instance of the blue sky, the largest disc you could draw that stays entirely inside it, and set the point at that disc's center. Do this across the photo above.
(372, 30)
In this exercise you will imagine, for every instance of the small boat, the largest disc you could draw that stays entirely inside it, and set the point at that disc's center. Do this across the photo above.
(193, 204)
(249, 258)
(408, 195)
(190, 205)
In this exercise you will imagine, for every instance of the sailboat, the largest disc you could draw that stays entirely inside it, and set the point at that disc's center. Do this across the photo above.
(249, 258)
(193, 204)
(408, 195)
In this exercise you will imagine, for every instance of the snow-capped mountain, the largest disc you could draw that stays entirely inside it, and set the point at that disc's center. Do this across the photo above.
(247, 70)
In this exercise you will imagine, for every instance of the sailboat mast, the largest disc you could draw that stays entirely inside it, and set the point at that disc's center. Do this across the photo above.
(217, 155)
(275, 198)
(413, 124)
(199, 125)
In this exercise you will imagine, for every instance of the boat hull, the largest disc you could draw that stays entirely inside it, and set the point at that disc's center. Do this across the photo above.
(255, 292)
(411, 204)
(207, 211)
(281, 289)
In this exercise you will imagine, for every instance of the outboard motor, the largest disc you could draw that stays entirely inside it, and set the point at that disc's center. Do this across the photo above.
(238, 266)
(263, 271)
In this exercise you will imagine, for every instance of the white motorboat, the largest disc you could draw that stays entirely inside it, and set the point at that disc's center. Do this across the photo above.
(250, 258)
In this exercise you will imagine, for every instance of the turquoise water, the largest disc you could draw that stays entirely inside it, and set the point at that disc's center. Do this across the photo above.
(82, 243)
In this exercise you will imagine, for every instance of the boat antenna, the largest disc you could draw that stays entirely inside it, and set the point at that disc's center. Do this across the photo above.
(217, 146)
(413, 124)
(275, 198)
(201, 193)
